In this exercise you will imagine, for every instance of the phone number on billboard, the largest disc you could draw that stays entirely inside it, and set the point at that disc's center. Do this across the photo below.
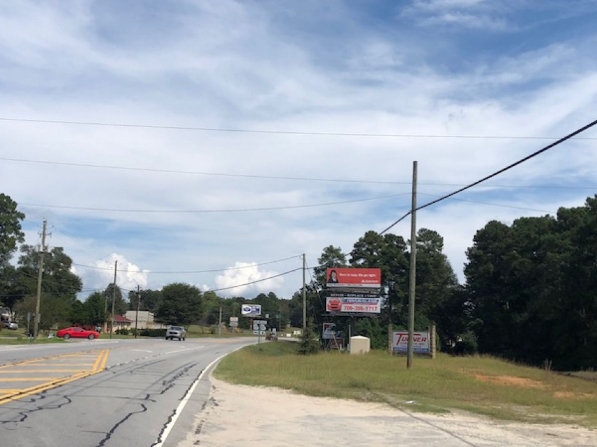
(349, 308)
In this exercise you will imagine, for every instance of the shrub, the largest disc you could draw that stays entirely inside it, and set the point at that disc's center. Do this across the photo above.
(309, 343)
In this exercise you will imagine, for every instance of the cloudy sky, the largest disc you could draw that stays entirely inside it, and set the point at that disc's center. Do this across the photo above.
(213, 142)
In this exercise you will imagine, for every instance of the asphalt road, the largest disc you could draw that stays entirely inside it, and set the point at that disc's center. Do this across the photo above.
(148, 394)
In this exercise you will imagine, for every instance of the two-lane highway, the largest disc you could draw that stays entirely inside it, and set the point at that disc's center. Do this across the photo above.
(147, 395)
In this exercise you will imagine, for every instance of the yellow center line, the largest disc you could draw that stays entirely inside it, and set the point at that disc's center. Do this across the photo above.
(37, 371)
(10, 395)
(28, 379)
(61, 364)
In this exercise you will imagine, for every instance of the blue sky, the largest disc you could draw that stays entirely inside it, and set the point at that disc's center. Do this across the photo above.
(177, 201)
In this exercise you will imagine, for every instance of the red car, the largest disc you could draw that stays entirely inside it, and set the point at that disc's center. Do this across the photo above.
(77, 332)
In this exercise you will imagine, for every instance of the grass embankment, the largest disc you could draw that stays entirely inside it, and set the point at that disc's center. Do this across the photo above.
(481, 385)
(18, 337)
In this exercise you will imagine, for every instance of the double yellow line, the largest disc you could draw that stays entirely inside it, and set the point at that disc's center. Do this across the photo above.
(15, 394)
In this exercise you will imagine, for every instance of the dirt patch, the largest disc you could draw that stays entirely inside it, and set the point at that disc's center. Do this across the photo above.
(511, 380)
(569, 395)
(257, 417)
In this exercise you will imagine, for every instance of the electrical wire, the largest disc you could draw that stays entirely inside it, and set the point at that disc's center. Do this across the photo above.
(492, 204)
(273, 177)
(510, 166)
(239, 210)
(277, 132)
(190, 271)
(256, 281)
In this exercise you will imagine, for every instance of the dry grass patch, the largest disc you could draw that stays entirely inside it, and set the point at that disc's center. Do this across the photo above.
(481, 385)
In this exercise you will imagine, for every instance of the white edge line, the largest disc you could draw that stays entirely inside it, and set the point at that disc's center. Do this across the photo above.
(186, 398)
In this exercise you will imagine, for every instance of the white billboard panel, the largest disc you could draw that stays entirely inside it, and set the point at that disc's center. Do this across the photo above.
(420, 342)
(250, 310)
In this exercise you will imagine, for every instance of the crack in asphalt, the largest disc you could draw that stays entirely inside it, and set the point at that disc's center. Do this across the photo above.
(26, 413)
(119, 423)
(159, 439)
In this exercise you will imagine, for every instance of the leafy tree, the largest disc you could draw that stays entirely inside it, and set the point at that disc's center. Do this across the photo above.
(111, 294)
(11, 233)
(181, 304)
(59, 285)
(95, 308)
(150, 300)
(436, 281)
(309, 341)
(330, 257)
(532, 288)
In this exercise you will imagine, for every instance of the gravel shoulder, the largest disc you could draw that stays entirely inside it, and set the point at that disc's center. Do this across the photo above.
(258, 416)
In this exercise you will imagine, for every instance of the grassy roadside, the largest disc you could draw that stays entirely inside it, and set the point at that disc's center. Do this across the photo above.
(481, 385)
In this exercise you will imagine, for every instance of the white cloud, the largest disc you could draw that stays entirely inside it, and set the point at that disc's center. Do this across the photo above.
(128, 275)
(242, 274)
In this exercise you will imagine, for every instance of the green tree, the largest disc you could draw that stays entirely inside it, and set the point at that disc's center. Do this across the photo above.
(112, 294)
(11, 235)
(181, 304)
(59, 285)
(150, 300)
(95, 308)
(330, 257)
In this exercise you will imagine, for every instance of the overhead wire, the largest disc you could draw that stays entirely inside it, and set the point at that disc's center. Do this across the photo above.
(239, 210)
(274, 177)
(277, 132)
(510, 166)
(189, 271)
(256, 281)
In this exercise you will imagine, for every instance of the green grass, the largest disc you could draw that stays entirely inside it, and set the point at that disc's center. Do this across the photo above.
(481, 385)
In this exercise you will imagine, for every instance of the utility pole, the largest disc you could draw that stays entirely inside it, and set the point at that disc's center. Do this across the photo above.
(413, 270)
(220, 323)
(137, 313)
(42, 251)
(113, 299)
(304, 296)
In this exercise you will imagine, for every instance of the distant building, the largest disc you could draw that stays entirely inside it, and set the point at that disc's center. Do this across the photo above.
(145, 320)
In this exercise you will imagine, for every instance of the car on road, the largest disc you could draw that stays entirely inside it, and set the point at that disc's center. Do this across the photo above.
(178, 332)
(76, 332)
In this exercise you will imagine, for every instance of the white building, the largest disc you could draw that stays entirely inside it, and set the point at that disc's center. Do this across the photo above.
(145, 320)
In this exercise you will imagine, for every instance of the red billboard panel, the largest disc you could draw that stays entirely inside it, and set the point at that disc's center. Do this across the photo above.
(353, 305)
(353, 277)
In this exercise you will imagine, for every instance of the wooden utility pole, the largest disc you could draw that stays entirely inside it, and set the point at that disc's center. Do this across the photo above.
(137, 313)
(220, 323)
(113, 299)
(413, 270)
(304, 296)
(42, 251)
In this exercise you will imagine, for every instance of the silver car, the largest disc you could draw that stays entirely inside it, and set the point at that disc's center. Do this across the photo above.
(178, 332)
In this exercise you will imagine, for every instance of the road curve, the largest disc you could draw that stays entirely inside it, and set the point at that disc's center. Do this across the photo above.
(147, 395)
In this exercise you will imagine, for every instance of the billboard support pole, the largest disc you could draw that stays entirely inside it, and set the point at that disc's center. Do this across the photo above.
(413, 270)
(304, 297)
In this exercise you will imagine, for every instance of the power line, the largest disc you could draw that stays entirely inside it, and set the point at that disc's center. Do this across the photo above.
(240, 210)
(522, 160)
(492, 204)
(273, 177)
(279, 132)
(256, 281)
(111, 269)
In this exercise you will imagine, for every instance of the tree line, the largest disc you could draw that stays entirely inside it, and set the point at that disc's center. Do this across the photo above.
(529, 295)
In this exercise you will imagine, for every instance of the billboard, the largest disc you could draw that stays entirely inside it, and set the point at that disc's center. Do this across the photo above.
(250, 310)
(420, 342)
(353, 304)
(328, 331)
(353, 277)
